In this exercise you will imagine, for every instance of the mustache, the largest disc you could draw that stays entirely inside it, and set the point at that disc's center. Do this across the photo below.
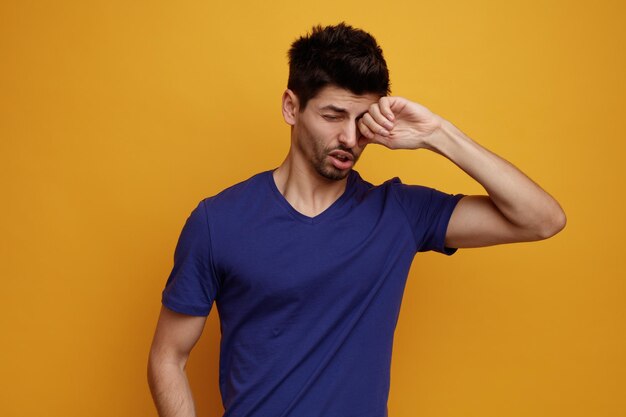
(342, 148)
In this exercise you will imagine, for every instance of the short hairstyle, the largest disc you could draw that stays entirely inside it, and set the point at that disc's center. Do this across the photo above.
(337, 55)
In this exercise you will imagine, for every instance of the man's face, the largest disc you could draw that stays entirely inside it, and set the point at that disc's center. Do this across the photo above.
(326, 135)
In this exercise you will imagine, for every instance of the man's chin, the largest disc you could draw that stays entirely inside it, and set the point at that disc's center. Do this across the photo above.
(334, 174)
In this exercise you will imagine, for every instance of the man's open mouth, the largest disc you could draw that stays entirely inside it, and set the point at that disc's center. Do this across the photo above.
(342, 159)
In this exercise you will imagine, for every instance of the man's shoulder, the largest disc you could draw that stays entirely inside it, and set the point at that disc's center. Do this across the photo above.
(367, 187)
(394, 183)
(249, 184)
(394, 188)
(368, 184)
(241, 193)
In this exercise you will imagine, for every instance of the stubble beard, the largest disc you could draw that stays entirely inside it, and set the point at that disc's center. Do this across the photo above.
(325, 168)
(320, 159)
(331, 173)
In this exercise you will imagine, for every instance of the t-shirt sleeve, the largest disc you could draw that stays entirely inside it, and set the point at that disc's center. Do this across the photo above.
(428, 211)
(192, 285)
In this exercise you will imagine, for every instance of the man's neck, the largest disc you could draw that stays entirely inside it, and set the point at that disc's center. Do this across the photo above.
(307, 191)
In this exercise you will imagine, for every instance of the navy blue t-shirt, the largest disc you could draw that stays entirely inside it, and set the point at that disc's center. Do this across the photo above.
(307, 305)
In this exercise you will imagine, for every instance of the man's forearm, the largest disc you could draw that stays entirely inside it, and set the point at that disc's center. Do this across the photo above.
(170, 390)
(518, 198)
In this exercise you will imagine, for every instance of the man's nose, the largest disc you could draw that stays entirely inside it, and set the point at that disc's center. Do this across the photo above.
(350, 134)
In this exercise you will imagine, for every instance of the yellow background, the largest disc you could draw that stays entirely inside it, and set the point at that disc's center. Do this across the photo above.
(117, 117)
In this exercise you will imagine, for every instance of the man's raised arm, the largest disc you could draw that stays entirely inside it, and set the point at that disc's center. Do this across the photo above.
(175, 336)
(516, 209)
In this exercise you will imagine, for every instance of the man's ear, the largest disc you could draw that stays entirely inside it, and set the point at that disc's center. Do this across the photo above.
(290, 107)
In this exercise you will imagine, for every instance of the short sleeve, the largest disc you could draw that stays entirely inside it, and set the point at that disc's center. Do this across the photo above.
(428, 211)
(192, 285)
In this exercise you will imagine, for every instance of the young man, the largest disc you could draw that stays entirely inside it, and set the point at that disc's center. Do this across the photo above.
(307, 263)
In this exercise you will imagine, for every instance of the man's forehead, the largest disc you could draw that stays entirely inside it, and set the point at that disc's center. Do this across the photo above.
(342, 100)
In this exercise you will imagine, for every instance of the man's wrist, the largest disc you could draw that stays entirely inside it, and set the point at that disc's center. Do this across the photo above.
(442, 137)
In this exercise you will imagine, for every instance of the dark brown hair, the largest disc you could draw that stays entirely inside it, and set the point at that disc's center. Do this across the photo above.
(337, 55)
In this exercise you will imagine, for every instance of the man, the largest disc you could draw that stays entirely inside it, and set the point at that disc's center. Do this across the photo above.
(307, 263)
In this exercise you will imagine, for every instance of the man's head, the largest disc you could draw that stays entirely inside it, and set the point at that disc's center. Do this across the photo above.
(340, 55)
(335, 74)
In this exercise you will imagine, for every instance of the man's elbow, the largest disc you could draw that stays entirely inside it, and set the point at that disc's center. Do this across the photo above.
(552, 225)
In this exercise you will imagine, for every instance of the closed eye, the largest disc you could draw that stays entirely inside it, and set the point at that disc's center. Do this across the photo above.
(331, 117)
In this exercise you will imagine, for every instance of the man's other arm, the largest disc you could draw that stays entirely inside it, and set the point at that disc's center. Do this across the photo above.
(175, 336)
(516, 209)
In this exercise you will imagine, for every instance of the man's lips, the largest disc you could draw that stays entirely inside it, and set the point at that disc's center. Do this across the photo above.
(341, 159)
(342, 155)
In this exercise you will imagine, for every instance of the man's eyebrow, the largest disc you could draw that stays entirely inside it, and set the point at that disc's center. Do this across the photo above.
(340, 110)
(334, 108)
